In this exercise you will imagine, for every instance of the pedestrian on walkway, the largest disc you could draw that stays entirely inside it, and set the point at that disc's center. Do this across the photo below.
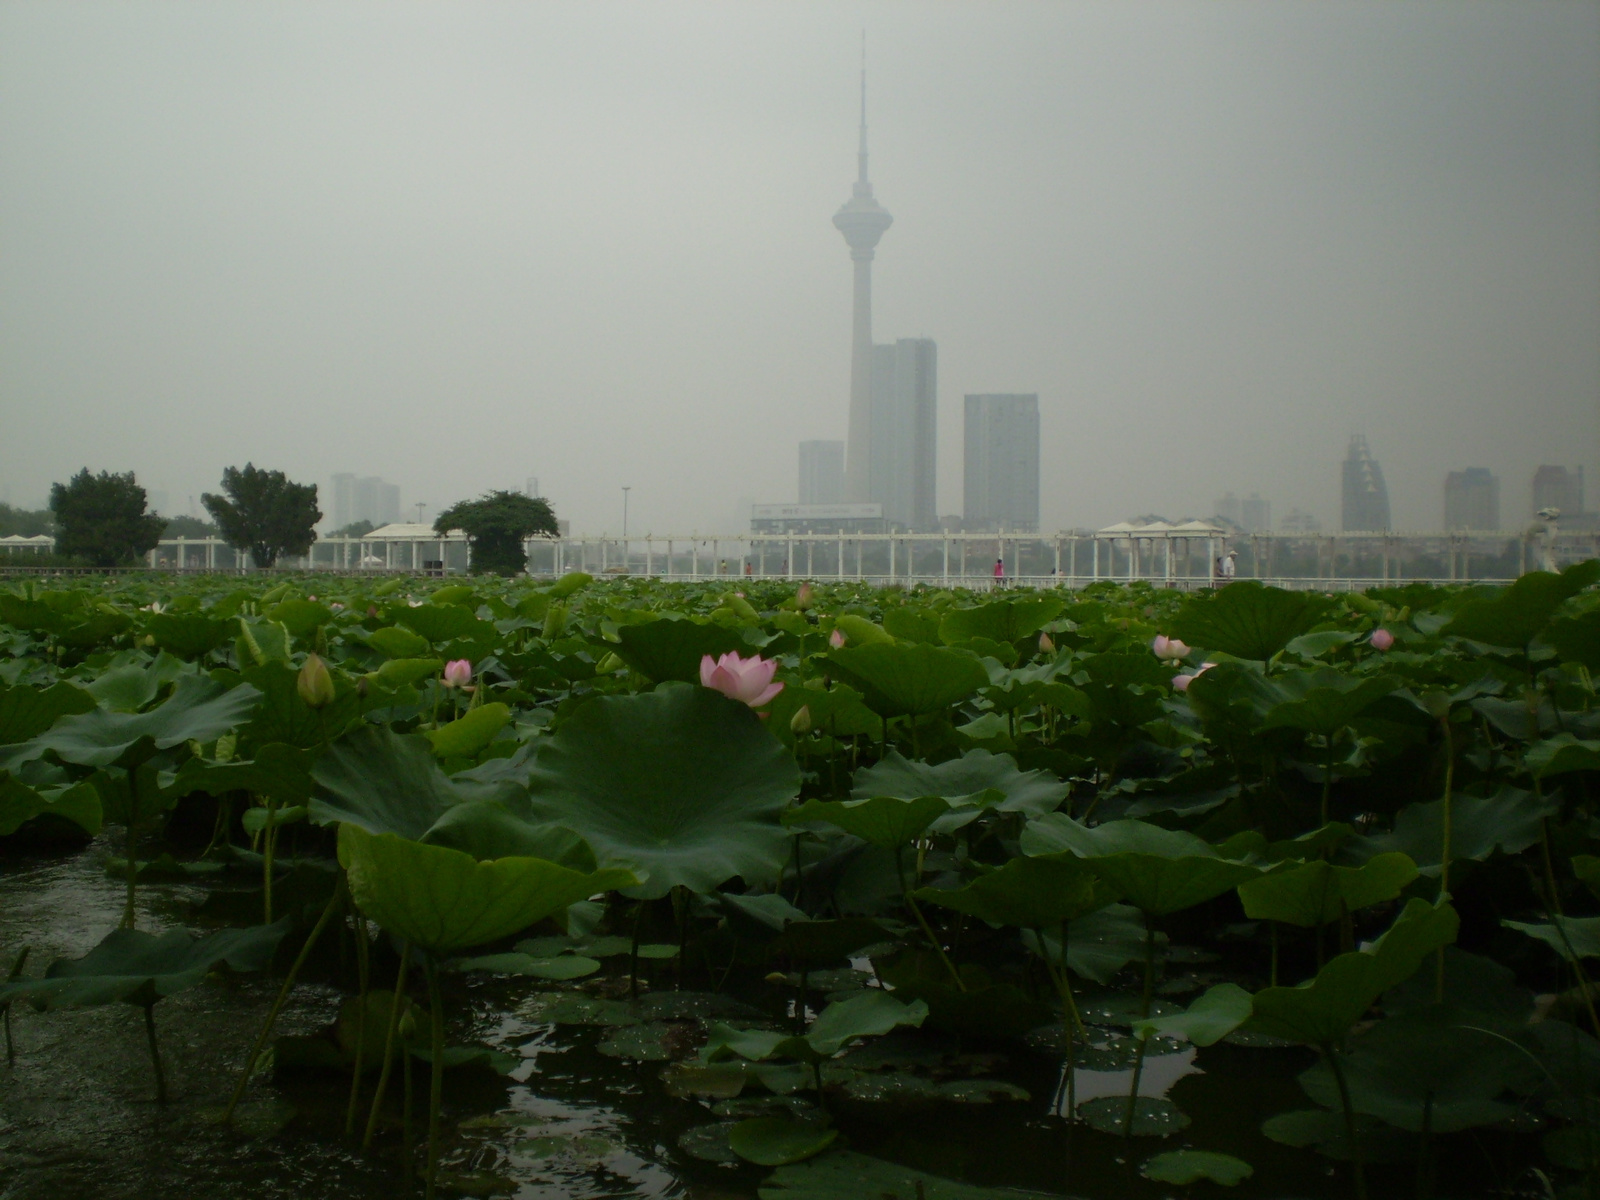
(999, 572)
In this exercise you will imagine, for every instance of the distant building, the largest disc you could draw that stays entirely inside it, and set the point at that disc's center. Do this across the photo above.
(817, 518)
(821, 472)
(1364, 505)
(1227, 507)
(1301, 523)
(1471, 499)
(364, 499)
(902, 452)
(531, 488)
(1255, 514)
(1558, 487)
(1000, 480)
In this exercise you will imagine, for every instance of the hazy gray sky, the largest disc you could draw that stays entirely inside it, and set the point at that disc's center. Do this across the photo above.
(460, 244)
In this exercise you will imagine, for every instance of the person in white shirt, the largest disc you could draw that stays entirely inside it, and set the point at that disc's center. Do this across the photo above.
(1230, 564)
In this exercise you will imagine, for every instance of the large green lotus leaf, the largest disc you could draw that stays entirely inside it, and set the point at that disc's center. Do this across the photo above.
(1212, 1017)
(844, 1175)
(1515, 616)
(198, 709)
(469, 733)
(444, 900)
(838, 712)
(862, 632)
(383, 781)
(1435, 1068)
(489, 829)
(1000, 620)
(963, 781)
(907, 678)
(1511, 820)
(189, 635)
(1577, 638)
(1158, 871)
(1183, 1167)
(1562, 753)
(882, 820)
(681, 782)
(1030, 893)
(670, 649)
(1571, 937)
(907, 624)
(34, 615)
(140, 967)
(1317, 892)
(441, 623)
(79, 804)
(284, 716)
(402, 672)
(1323, 1009)
(1248, 620)
(301, 617)
(26, 712)
(1102, 943)
(867, 1014)
(279, 771)
(395, 642)
(1325, 700)
(1325, 1132)
(130, 686)
(777, 1141)
(262, 642)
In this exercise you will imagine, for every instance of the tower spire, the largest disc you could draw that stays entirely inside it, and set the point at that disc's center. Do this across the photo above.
(863, 186)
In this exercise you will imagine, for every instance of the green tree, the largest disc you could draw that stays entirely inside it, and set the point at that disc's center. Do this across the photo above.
(25, 522)
(264, 513)
(496, 526)
(189, 527)
(102, 518)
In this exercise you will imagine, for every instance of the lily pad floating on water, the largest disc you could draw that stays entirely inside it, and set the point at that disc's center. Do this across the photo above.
(1153, 1116)
(576, 1008)
(709, 1143)
(845, 1175)
(652, 1041)
(777, 1141)
(561, 967)
(1184, 1167)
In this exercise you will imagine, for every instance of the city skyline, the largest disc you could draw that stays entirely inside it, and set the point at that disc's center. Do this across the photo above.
(1215, 242)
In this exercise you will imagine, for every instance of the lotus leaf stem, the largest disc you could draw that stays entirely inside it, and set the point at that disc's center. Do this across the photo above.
(407, 1135)
(283, 995)
(364, 972)
(1354, 1138)
(933, 941)
(269, 842)
(633, 952)
(5, 1009)
(1445, 838)
(128, 912)
(436, 1075)
(155, 1052)
(396, 1001)
(1133, 1088)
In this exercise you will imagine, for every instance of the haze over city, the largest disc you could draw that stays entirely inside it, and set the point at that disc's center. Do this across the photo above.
(458, 246)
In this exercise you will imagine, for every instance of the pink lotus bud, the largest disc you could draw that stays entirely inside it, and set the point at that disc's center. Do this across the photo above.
(1180, 683)
(836, 639)
(1169, 649)
(457, 673)
(747, 680)
(1046, 646)
(1382, 639)
(804, 597)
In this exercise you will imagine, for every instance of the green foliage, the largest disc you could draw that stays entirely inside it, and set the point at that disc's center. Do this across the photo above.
(265, 513)
(1248, 620)
(102, 519)
(496, 525)
(1184, 1167)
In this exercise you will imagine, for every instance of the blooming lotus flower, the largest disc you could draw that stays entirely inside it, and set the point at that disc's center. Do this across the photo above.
(1046, 646)
(457, 673)
(836, 639)
(314, 684)
(1180, 683)
(1381, 639)
(1169, 649)
(804, 597)
(748, 680)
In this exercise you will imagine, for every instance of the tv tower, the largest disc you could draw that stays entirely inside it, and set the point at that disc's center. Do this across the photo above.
(863, 221)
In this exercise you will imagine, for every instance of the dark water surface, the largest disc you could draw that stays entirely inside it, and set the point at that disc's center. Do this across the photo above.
(78, 1116)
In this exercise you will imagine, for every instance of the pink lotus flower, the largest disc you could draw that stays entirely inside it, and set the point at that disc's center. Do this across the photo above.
(1169, 649)
(457, 673)
(748, 680)
(836, 639)
(1180, 683)
(1046, 646)
(1382, 639)
(803, 597)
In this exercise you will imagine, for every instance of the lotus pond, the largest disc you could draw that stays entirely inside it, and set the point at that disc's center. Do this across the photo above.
(348, 888)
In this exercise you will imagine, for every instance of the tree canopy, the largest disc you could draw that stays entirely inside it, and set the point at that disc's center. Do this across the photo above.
(102, 518)
(265, 513)
(496, 525)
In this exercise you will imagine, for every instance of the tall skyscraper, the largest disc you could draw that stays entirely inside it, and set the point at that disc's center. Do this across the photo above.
(1255, 513)
(821, 472)
(531, 488)
(1001, 463)
(862, 221)
(344, 488)
(1558, 487)
(1471, 499)
(902, 431)
(365, 499)
(1364, 499)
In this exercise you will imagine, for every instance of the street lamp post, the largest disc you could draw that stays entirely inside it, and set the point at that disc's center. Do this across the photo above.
(625, 490)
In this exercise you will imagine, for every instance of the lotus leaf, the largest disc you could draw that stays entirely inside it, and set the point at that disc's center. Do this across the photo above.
(470, 733)
(907, 624)
(1153, 1116)
(19, 803)
(844, 1175)
(777, 1141)
(262, 642)
(1571, 937)
(1511, 820)
(1577, 638)
(1158, 871)
(882, 821)
(301, 617)
(131, 686)
(402, 672)
(1515, 616)
(964, 781)
(1248, 620)
(907, 678)
(383, 781)
(489, 829)
(26, 712)
(1212, 1017)
(1562, 753)
(1326, 1133)
(1322, 1010)
(441, 623)
(284, 716)
(1316, 892)
(681, 781)
(397, 643)
(862, 632)
(1030, 893)
(868, 1014)
(443, 900)
(561, 966)
(671, 648)
(1000, 620)
(838, 712)
(1184, 1167)
(1325, 700)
